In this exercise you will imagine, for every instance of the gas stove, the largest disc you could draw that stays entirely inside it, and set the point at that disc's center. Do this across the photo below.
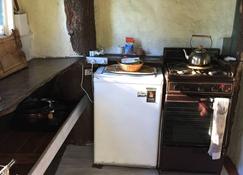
(186, 124)
(214, 80)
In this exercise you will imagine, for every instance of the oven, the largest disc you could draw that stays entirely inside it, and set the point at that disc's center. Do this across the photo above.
(188, 111)
(186, 134)
(187, 121)
(187, 125)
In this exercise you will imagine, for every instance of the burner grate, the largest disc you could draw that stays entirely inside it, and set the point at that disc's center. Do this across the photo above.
(183, 69)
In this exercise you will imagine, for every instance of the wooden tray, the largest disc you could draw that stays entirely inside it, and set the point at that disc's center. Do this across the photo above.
(12, 58)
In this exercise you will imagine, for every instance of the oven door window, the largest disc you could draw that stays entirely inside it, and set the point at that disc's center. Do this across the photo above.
(187, 123)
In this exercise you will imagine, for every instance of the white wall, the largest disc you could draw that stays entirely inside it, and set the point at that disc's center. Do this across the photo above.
(160, 23)
(154, 23)
(48, 24)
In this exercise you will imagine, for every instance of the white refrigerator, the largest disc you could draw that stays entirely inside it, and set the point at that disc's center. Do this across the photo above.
(127, 111)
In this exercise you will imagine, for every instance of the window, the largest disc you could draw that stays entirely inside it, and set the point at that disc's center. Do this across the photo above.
(1, 17)
(6, 17)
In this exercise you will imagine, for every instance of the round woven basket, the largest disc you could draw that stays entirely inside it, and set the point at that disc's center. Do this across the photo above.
(131, 67)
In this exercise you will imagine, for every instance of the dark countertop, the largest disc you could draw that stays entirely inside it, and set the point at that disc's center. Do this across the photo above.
(18, 86)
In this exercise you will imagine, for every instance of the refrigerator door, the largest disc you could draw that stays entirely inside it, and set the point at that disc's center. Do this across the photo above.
(126, 123)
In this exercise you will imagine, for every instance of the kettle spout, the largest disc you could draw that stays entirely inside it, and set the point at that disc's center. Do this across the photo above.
(187, 56)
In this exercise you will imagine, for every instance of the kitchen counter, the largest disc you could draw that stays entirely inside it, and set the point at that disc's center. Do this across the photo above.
(18, 86)
(35, 150)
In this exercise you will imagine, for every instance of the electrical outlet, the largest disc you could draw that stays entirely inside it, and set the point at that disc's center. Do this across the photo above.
(97, 60)
(87, 72)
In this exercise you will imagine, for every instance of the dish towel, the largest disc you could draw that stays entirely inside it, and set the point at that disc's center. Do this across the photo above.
(220, 111)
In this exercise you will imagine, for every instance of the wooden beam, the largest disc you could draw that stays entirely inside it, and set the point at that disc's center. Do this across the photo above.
(81, 25)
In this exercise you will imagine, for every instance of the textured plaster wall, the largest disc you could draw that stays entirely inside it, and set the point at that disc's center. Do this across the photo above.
(154, 23)
(48, 24)
(159, 23)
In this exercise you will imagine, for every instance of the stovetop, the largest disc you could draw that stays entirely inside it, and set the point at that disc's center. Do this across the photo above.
(178, 69)
(183, 69)
(182, 78)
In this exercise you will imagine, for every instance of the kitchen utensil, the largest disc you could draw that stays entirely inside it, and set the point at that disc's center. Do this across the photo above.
(199, 56)
(5, 169)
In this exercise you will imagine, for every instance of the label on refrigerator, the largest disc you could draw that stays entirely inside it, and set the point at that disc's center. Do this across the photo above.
(151, 95)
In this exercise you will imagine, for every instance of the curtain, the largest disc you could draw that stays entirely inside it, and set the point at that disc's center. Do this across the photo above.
(81, 25)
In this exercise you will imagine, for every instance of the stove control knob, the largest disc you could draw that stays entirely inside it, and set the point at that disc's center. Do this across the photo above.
(199, 89)
(221, 87)
(177, 87)
(173, 87)
(213, 89)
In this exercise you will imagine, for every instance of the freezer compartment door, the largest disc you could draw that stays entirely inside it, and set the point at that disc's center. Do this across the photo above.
(126, 124)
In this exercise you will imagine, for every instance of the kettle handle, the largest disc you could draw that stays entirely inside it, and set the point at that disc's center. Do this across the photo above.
(202, 36)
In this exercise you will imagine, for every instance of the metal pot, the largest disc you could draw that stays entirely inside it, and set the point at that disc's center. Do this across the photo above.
(36, 110)
(199, 57)
(40, 114)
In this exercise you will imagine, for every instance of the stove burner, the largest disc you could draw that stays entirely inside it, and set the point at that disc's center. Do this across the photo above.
(183, 69)
(199, 67)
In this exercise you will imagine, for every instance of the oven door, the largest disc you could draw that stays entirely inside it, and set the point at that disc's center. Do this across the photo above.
(187, 121)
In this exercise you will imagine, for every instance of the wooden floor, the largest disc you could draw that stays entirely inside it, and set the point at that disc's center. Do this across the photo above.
(78, 160)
